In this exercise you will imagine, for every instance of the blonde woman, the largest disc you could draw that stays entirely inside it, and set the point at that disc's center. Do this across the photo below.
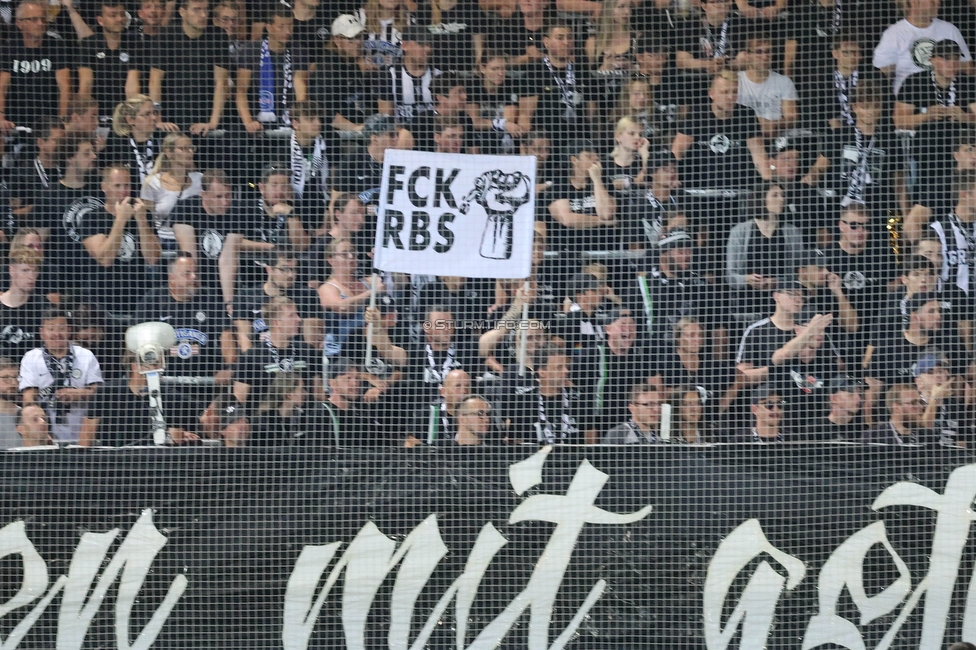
(133, 141)
(173, 178)
(627, 168)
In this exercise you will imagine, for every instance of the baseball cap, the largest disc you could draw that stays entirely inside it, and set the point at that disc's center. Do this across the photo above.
(812, 258)
(274, 169)
(378, 123)
(764, 391)
(347, 26)
(843, 383)
(926, 363)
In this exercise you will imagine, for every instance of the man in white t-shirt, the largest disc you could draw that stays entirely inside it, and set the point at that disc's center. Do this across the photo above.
(771, 95)
(60, 377)
(906, 46)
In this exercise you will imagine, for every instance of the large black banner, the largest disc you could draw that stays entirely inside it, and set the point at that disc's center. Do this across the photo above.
(724, 547)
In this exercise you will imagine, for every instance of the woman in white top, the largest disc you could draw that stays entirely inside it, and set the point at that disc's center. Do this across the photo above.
(172, 179)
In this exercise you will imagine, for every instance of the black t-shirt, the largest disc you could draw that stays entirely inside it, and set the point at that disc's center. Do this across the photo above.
(341, 88)
(453, 38)
(137, 156)
(576, 240)
(872, 182)
(33, 93)
(258, 366)
(359, 174)
(198, 324)
(562, 95)
(491, 106)
(804, 385)
(685, 295)
(659, 123)
(813, 27)
(119, 287)
(704, 41)
(311, 36)
(109, 68)
(895, 357)
(512, 37)
(30, 181)
(719, 155)
(249, 58)
(188, 84)
(865, 278)
(20, 326)
(211, 232)
(760, 341)
(57, 209)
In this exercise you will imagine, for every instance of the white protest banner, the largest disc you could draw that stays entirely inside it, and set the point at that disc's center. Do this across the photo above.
(456, 214)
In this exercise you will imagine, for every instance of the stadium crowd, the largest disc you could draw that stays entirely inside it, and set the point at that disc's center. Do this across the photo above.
(755, 221)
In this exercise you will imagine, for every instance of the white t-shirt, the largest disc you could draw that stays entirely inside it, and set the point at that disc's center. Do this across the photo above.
(766, 99)
(85, 371)
(908, 47)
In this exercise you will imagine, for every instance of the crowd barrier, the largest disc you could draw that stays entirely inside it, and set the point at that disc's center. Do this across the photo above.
(576, 547)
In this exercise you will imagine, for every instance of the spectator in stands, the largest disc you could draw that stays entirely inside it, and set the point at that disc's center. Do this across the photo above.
(311, 27)
(344, 408)
(943, 399)
(469, 299)
(173, 179)
(664, 102)
(340, 82)
(309, 154)
(937, 105)
(903, 426)
(279, 350)
(227, 15)
(249, 302)
(690, 422)
(76, 155)
(904, 47)
(795, 162)
(709, 44)
(720, 148)
(149, 22)
(775, 334)
(108, 70)
(437, 422)
(646, 215)
(771, 95)
(274, 219)
(191, 87)
(756, 249)
(624, 361)
(896, 352)
(441, 351)
(493, 106)
(830, 89)
(843, 419)
(817, 26)
(59, 376)
(279, 418)
(825, 291)
(686, 362)
(133, 142)
(920, 274)
(281, 69)
(581, 208)
(557, 414)
(450, 110)
(557, 93)
(474, 421)
(767, 418)
(864, 263)
(385, 23)
(955, 228)
(114, 247)
(343, 296)
(539, 144)
(33, 427)
(204, 337)
(31, 179)
(404, 91)
(120, 412)
(9, 400)
(361, 173)
(866, 161)
(643, 426)
(35, 79)
(20, 304)
(520, 36)
(626, 167)
(610, 52)
(204, 227)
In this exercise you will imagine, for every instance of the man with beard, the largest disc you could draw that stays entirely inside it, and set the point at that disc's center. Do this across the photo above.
(903, 425)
